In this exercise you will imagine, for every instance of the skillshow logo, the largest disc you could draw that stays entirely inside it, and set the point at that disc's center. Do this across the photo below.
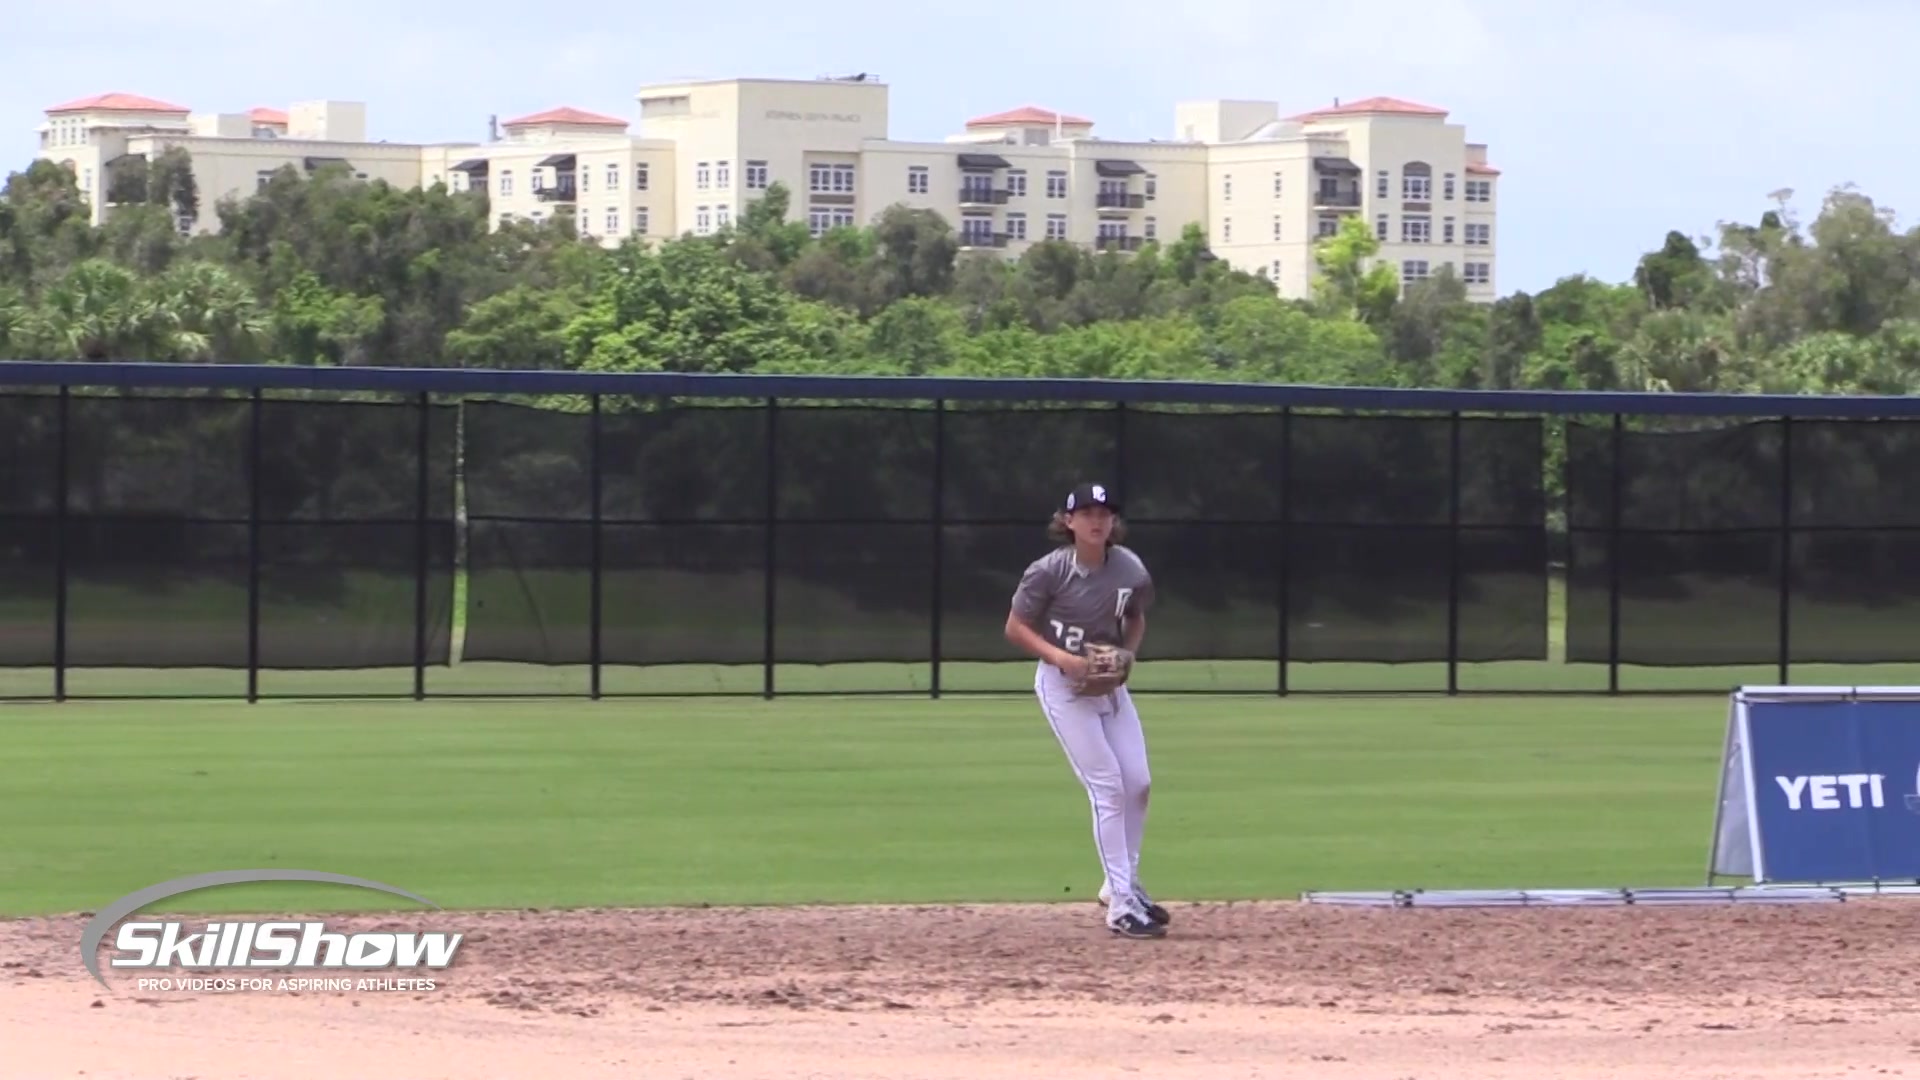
(256, 944)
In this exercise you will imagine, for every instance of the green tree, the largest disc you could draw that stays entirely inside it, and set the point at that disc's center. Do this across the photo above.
(1346, 285)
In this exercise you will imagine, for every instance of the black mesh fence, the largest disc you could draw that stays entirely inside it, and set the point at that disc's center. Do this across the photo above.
(1766, 543)
(30, 568)
(206, 531)
(315, 533)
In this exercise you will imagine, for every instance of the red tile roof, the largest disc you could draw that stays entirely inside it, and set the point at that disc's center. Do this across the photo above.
(1373, 106)
(567, 114)
(1029, 115)
(1483, 169)
(264, 115)
(119, 102)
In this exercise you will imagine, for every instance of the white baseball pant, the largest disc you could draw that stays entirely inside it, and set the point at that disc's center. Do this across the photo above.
(1107, 749)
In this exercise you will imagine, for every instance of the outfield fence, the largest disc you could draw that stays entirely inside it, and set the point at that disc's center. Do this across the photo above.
(212, 528)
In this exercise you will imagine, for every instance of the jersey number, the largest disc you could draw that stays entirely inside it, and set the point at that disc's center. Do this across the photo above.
(1120, 605)
(1070, 636)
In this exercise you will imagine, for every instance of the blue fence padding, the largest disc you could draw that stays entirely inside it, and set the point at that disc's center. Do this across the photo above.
(22, 373)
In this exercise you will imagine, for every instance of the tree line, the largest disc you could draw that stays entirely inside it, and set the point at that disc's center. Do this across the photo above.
(327, 269)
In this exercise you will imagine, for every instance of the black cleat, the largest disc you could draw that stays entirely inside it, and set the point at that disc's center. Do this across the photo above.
(1156, 914)
(1133, 926)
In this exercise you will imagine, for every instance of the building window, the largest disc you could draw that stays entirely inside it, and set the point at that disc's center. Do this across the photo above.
(1152, 186)
(1479, 191)
(1380, 228)
(583, 177)
(1276, 226)
(1446, 187)
(917, 180)
(1056, 185)
(1276, 185)
(1478, 273)
(837, 179)
(1479, 234)
(822, 218)
(702, 220)
(613, 221)
(1226, 230)
(702, 176)
(1417, 187)
(1017, 226)
(756, 176)
(1446, 231)
(976, 231)
(722, 216)
(506, 181)
(1329, 225)
(1017, 183)
(639, 220)
(640, 177)
(1226, 188)
(1112, 229)
(1413, 270)
(613, 178)
(1151, 229)
(1416, 229)
(1273, 272)
(723, 176)
(1056, 226)
(1383, 186)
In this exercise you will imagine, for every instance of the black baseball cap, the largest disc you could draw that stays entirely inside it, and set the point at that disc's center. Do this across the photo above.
(1091, 495)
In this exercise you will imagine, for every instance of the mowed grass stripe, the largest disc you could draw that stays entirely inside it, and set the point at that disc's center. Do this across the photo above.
(538, 804)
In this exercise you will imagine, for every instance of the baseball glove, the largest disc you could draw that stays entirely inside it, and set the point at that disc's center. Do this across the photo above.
(1107, 669)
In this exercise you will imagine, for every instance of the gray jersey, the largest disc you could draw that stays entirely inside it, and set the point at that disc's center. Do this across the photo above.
(1071, 605)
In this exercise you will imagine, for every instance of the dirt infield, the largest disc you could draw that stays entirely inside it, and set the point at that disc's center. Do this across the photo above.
(1237, 990)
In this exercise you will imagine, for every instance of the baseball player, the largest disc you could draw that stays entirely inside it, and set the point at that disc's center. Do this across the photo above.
(1080, 610)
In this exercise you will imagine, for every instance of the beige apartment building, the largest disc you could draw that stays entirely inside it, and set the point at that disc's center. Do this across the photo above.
(1264, 187)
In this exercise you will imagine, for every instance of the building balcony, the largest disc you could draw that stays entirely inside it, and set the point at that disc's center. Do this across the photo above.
(1119, 200)
(1348, 200)
(982, 196)
(1118, 243)
(983, 240)
(563, 193)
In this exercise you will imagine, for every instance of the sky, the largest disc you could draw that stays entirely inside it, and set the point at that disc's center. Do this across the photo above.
(1612, 121)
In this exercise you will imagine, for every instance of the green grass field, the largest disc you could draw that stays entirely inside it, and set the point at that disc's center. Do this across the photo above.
(504, 804)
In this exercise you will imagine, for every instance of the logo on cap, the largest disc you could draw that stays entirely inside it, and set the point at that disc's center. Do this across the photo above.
(1095, 492)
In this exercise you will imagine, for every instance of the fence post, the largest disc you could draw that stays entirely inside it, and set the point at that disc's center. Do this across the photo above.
(1453, 553)
(255, 408)
(594, 574)
(1617, 483)
(61, 542)
(421, 538)
(1285, 577)
(771, 551)
(939, 530)
(1786, 546)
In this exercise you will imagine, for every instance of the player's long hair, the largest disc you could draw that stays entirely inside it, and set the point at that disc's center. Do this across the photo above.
(1058, 532)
